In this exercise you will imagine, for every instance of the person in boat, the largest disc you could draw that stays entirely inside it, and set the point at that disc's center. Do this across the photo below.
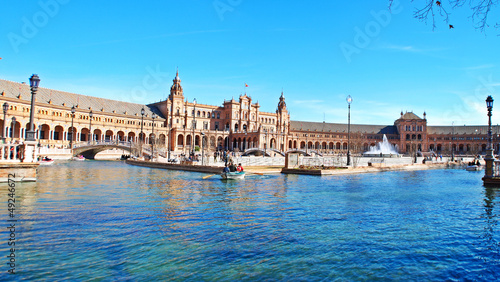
(226, 169)
(239, 168)
(232, 167)
(478, 163)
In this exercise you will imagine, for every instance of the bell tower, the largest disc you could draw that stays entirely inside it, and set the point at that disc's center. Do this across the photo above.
(175, 103)
(176, 89)
(283, 118)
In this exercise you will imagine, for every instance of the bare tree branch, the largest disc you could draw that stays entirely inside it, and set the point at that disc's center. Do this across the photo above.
(480, 10)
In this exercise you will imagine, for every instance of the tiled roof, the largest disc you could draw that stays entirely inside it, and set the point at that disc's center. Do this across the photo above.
(56, 97)
(410, 115)
(340, 127)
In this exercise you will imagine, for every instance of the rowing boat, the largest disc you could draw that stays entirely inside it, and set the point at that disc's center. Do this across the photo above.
(233, 175)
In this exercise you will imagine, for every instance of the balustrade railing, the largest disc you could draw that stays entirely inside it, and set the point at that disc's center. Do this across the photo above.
(101, 142)
(10, 152)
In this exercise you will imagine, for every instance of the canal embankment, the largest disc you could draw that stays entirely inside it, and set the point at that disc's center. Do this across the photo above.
(374, 168)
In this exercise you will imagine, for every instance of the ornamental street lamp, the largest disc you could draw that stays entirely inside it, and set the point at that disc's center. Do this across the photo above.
(13, 128)
(349, 101)
(91, 135)
(153, 136)
(34, 82)
(169, 137)
(489, 151)
(452, 143)
(5, 109)
(73, 110)
(265, 143)
(307, 145)
(202, 147)
(194, 125)
(141, 135)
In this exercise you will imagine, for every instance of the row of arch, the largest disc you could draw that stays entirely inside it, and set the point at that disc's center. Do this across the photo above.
(460, 147)
(59, 133)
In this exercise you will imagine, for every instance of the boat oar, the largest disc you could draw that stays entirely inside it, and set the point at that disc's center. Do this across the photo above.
(208, 176)
(258, 173)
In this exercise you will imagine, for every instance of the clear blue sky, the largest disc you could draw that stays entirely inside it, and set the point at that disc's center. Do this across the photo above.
(129, 51)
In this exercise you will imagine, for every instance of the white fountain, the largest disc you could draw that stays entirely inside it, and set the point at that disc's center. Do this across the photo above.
(382, 149)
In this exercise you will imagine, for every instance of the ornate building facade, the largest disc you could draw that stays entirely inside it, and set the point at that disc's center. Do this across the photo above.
(238, 125)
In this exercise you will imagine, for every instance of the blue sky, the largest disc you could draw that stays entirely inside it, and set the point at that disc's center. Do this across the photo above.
(317, 51)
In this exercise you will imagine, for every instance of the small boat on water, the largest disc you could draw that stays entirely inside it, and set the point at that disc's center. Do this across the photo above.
(473, 168)
(46, 161)
(233, 175)
(79, 158)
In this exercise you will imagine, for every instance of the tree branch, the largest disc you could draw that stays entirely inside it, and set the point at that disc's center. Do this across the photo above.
(480, 11)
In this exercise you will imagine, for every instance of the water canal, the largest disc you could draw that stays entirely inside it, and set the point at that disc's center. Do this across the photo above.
(111, 221)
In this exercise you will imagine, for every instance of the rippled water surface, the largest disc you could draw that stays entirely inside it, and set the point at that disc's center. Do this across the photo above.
(111, 221)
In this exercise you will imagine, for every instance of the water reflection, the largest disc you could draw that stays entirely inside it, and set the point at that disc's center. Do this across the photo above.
(490, 217)
(110, 221)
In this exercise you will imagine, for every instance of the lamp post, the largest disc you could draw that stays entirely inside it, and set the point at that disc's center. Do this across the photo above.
(265, 144)
(489, 151)
(13, 128)
(452, 143)
(73, 110)
(153, 136)
(202, 147)
(416, 153)
(34, 82)
(141, 135)
(5, 109)
(91, 135)
(349, 101)
(169, 137)
(307, 145)
(194, 125)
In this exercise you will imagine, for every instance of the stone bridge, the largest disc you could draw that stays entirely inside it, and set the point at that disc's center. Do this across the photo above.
(273, 150)
(90, 149)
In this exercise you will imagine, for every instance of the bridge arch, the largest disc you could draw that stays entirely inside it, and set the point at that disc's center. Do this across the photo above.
(255, 151)
(90, 150)
(299, 151)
